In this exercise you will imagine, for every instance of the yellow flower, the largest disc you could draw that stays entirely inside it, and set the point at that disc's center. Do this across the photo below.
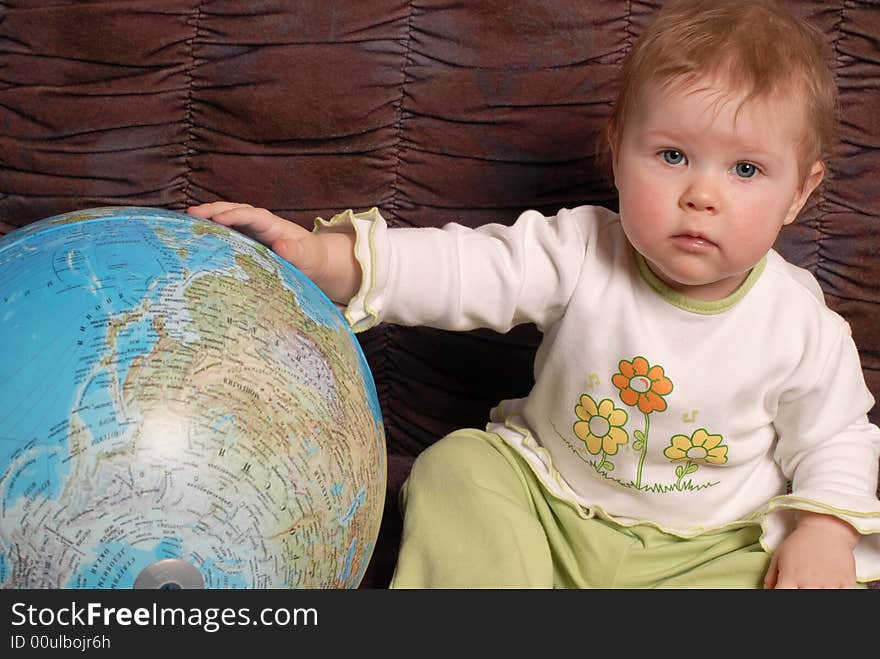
(641, 384)
(699, 447)
(600, 426)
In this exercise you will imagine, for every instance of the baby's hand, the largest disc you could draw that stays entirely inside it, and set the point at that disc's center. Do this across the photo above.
(287, 239)
(817, 554)
(328, 260)
(258, 223)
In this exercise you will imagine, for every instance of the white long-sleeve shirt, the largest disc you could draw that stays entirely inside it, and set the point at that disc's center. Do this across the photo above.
(647, 407)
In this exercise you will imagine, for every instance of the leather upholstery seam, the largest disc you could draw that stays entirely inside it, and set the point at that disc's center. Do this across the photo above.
(395, 184)
(628, 28)
(822, 197)
(188, 149)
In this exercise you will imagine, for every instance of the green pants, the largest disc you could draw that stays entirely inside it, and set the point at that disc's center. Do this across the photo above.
(476, 516)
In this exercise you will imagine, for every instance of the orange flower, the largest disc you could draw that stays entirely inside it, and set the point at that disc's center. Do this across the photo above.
(642, 384)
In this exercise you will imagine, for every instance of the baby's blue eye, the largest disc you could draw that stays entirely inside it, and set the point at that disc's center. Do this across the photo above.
(745, 169)
(672, 156)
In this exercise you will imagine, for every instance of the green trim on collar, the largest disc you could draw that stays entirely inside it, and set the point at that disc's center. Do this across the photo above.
(706, 307)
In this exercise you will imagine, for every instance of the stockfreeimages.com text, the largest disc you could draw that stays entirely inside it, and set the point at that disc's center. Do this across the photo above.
(209, 619)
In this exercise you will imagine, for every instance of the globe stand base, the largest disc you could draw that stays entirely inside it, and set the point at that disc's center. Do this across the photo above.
(170, 574)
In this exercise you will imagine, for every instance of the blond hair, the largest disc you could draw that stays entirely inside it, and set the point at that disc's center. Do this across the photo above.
(754, 46)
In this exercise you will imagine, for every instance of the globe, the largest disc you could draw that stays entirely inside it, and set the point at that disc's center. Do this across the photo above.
(180, 409)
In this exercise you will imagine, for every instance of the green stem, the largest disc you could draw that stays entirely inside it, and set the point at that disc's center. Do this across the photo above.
(644, 452)
(684, 471)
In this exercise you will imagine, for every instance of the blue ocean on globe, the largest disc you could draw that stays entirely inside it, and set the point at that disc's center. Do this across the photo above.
(182, 408)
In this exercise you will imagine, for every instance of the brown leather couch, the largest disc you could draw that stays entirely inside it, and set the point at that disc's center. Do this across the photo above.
(431, 111)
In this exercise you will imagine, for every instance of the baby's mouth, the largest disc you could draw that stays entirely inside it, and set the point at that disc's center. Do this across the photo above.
(693, 242)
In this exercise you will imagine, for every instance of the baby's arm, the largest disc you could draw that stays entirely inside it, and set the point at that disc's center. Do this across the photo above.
(817, 554)
(828, 449)
(327, 259)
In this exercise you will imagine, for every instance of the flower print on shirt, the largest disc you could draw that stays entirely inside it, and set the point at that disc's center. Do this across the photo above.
(699, 448)
(642, 385)
(601, 429)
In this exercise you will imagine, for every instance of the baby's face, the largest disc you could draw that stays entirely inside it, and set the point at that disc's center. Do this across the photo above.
(706, 182)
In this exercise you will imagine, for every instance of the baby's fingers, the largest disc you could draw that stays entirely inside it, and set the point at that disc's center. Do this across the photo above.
(258, 223)
(240, 216)
(209, 210)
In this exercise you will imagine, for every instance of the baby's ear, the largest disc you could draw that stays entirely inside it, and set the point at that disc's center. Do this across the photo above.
(811, 182)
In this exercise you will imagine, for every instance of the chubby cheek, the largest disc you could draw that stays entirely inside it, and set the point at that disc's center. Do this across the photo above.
(753, 229)
(644, 209)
